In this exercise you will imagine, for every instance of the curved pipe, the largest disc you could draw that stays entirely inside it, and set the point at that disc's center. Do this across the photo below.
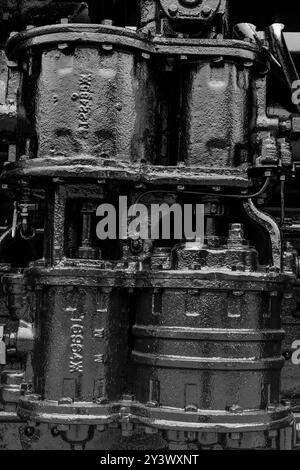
(269, 224)
(248, 31)
(206, 193)
(5, 235)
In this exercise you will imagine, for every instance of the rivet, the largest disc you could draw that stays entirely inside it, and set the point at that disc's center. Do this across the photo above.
(29, 431)
(191, 409)
(235, 409)
(248, 63)
(65, 401)
(55, 432)
(63, 46)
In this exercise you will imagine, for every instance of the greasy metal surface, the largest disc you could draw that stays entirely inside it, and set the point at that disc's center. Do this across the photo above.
(217, 133)
(93, 104)
(271, 226)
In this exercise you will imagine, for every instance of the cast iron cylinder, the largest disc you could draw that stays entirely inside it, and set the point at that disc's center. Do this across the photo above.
(218, 113)
(81, 345)
(211, 350)
(87, 90)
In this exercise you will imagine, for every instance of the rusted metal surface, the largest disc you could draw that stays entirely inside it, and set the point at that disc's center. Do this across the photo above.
(145, 344)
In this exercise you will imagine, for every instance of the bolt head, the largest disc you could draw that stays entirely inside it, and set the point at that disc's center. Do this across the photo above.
(206, 11)
(29, 431)
(173, 9)
(235, 409)
(287, 355)
(55, 432)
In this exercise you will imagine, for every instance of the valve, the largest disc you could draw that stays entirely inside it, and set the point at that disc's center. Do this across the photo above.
(22, 214)
(22, 340)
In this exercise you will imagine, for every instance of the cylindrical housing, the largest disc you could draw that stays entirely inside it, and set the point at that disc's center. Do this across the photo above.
(217, 113)
(87, 90)
(211, 349)
(81, 344)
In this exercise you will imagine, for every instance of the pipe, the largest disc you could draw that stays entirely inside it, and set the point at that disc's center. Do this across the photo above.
(247, 31)
(199, 193)
(280, 50)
